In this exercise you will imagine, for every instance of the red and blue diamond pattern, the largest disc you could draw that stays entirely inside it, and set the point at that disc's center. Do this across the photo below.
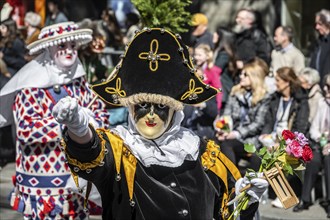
(38, 138)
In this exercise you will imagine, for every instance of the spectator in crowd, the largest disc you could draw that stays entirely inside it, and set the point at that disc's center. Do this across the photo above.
(132, 25)
(154, 153)
(285, 53)
(12, 47)
(203, 56)
(41, 171)
(321, 54)
(320, 142)
(55, 14)
(288, 111)
(310, 79)
(32, 23)
(112, 28)
(288, 106)
(223, 40)
(114, 37)
(250, 41)
(4, 74)
(89, 55)
(247, 106)
(7, 146)
(200, 33)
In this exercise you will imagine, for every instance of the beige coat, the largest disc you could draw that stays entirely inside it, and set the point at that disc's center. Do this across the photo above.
(290, 57)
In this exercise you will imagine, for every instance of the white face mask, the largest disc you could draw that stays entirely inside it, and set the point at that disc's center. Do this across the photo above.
(64, 55)
(152, 120)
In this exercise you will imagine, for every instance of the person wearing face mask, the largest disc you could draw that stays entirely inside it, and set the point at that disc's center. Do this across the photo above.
(153, 168)
(41, 172)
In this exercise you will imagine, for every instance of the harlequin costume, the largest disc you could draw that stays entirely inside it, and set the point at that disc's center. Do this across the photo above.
(41, 171)
(174, 176)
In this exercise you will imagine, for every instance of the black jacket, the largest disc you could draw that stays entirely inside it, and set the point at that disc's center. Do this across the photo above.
(201, 120)
(14, 56)
(324, 61)
(298, 115)
(252, 43)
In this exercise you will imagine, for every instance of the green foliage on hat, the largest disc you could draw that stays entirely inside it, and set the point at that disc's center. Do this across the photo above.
(169, 14)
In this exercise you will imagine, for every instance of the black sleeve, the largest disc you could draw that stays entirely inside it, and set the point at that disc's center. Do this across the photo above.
(91, 161)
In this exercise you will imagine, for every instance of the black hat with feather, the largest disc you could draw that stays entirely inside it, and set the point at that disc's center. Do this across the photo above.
(157, 68)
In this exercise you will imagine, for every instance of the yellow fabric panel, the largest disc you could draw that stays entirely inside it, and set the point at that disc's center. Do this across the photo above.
(129, 163)
(117, 149)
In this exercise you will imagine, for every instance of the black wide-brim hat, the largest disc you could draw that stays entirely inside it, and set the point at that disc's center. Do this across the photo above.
(157, 68)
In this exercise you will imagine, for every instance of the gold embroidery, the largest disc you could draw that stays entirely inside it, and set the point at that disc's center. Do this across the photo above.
(116, 91)
(193, 92)
(153, 57)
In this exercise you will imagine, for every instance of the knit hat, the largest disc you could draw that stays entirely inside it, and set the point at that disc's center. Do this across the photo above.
(32, 18)
(158, 68)
(60, 33)
(199, 19)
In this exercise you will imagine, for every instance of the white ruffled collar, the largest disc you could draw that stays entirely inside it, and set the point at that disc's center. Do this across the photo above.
(177, 144)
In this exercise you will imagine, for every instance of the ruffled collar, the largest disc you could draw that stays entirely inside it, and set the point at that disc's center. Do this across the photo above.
(170, 150)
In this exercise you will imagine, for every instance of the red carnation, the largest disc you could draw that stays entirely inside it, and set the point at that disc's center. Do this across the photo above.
(287, 134)
(307, 154)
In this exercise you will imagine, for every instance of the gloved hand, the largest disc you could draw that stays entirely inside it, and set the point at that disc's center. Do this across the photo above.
(68, 112)
(258, 186)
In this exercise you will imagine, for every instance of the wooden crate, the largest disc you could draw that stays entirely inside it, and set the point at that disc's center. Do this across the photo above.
(281, 187)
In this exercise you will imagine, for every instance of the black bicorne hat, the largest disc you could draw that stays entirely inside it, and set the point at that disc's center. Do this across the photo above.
(156, 67)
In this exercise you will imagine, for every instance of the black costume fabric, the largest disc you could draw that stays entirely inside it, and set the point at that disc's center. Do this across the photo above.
(186, 192)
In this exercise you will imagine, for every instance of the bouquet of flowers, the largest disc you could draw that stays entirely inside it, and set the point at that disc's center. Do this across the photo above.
(292, 154)
(223, 124)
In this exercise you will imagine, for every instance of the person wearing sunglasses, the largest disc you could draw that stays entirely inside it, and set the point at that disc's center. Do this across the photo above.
(247, 106)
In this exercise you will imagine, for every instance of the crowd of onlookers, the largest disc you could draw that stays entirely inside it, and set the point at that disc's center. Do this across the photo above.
(265, 90)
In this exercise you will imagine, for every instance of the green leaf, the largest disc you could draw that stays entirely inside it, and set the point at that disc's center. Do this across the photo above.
(170, 14)
(262, 151)
(250, 148)
(267, 156)
(288, 169)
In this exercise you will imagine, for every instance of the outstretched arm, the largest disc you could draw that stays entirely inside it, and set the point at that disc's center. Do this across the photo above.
(76, 118)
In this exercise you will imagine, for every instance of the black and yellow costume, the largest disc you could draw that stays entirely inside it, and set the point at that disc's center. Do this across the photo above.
(196, 190)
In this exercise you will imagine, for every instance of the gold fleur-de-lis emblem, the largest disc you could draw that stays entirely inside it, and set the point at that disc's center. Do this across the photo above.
(115, 92)
(193, 91)
(153, 55)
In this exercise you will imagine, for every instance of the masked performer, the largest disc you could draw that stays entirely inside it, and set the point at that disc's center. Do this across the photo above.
(41, 171)
(153, 168)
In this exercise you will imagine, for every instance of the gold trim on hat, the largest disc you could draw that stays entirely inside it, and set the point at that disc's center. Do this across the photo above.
(116, 90)
(193, 92)
(153, 57)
